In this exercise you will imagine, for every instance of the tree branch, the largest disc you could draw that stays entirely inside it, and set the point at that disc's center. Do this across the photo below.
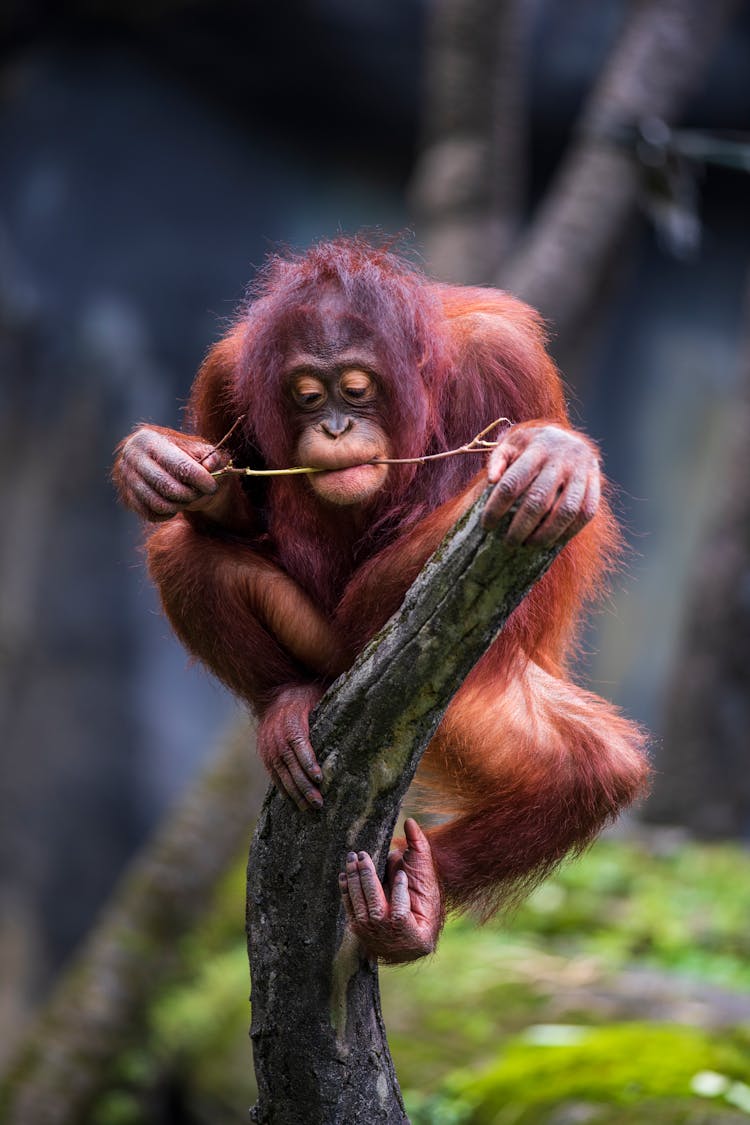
(321, 1055)
(377, 722)
(656, 64)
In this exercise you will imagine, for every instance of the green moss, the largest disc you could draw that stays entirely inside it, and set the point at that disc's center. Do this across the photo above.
(438, 1110)
(119, 1108)
(686, 910)
(617, 907)
(620, 1065)
(454, 1008)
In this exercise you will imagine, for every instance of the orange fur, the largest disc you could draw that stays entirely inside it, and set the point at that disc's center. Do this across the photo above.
(526, 765)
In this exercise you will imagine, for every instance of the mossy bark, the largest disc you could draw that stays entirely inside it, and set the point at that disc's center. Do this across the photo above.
(321, 1055)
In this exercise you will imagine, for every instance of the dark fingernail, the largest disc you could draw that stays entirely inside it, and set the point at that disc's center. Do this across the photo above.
(351, 857)
(362, 855)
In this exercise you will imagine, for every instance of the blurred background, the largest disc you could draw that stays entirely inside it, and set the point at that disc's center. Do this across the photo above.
(589, 156)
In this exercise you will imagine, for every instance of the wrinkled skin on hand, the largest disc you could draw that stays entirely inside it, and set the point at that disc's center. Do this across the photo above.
(284, 746)
(161, 472)
(552, 474)
(404, 922)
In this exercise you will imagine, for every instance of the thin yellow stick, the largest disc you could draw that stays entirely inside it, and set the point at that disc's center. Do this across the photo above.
(476, 445)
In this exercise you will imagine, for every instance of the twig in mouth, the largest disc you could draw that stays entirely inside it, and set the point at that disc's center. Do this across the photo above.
(478, 444)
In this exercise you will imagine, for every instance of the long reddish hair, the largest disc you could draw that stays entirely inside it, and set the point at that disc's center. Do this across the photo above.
(453, 359)
(526, 764)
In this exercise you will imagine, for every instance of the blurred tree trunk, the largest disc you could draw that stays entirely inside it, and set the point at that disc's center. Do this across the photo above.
(703, 780)
(97, 1007)
(655, 65)
(467, 187)
(66, 720)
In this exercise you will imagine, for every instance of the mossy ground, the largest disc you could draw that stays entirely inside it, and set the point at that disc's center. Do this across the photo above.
(618, 994)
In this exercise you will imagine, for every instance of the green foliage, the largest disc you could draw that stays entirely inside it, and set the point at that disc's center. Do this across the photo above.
(686, 909)
(619, 1065)
(198, 1022)
(196, 1038)
(119, 1107)
(618, 907)
(506, 1024)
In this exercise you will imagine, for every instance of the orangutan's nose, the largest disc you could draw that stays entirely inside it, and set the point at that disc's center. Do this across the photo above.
(337, 426)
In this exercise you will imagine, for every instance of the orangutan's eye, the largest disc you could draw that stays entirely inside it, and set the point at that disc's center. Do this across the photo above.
(357, 386)
(308, 392)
